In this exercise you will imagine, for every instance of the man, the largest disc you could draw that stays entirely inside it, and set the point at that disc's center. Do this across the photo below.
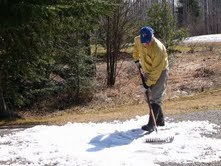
(151, 55)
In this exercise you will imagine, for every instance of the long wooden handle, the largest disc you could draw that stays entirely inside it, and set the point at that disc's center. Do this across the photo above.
(151, 109)
(148, 100)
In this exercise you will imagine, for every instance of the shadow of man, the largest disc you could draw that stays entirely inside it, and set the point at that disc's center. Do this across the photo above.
(118, 138)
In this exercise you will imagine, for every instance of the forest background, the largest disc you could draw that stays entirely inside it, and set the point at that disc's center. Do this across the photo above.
(50, 50)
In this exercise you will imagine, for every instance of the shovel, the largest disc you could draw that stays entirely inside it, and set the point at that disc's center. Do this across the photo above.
(148, 100)
(156, 138)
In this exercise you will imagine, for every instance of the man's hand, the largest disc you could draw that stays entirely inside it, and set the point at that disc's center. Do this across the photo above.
(137, 63)
(145, 86)
(144, 90)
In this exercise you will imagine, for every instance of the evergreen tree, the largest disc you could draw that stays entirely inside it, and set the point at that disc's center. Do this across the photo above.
(160, 17)
(189, 15)
(31, 38)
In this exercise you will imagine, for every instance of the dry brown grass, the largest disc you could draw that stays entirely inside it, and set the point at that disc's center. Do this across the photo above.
(194, 84)
(209, 100)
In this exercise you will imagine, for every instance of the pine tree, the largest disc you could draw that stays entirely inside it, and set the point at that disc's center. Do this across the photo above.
(31, 34)
(160, 17)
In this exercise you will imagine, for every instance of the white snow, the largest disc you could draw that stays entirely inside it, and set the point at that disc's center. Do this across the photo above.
(109, 144)
(212, 38)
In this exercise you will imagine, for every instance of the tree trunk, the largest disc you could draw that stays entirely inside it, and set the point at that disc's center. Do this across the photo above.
(206, 16)
(173, 6)
(108, 56)
(3, 108)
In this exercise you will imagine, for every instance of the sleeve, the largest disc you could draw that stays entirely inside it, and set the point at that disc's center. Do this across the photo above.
(136, 55)
(157, 67)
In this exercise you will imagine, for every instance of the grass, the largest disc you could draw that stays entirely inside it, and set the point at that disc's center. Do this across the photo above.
(101, 51)
(209, 100)
(197, 47)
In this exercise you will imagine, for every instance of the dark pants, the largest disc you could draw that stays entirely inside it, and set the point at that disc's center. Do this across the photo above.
(157, 91)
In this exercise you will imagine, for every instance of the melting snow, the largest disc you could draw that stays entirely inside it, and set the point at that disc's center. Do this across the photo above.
(212, 38)
(116, 143)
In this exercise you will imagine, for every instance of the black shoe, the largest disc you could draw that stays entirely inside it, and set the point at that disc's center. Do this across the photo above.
(160, 122)
(148, 128)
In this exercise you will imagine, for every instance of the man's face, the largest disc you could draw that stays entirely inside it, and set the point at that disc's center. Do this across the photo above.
(147, 44)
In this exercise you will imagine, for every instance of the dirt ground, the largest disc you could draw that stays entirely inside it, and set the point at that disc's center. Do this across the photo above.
(189, 73)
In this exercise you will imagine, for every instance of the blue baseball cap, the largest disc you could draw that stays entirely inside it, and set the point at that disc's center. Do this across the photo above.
(146, 34)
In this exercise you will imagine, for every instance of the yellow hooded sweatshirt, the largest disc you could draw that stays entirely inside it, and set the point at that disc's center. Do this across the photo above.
(153, 58)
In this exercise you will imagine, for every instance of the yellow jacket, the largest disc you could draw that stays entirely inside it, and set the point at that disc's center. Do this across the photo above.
(153, 58)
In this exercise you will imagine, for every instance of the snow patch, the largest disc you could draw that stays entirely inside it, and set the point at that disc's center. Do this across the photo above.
(116, 143)
(212, 38)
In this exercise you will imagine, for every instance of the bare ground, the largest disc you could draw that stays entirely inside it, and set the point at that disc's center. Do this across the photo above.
(194, 84)
(190, 74)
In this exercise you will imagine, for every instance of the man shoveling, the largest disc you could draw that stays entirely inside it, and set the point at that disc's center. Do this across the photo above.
(151, 55)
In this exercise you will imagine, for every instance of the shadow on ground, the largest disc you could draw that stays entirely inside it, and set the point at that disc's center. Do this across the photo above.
(117, 138)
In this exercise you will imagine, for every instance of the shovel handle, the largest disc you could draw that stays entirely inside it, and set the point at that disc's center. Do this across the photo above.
(148, 99)
(151, 109)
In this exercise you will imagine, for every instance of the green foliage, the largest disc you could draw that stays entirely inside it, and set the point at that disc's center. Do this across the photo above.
(192, 6)
(75, 68)
(36, 37)
(162, 20)
(24, 54)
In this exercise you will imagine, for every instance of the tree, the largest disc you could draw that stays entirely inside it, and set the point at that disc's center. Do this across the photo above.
(20, 65)
(119, 28)
(212, 14)
(191, 15)
(200, 16)
(31, 33)
(160, 17)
